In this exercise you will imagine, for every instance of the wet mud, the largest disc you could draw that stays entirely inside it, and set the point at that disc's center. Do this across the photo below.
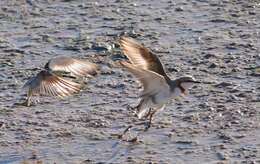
(215, 41)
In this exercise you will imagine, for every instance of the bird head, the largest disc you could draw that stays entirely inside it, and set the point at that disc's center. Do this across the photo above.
(186, 82)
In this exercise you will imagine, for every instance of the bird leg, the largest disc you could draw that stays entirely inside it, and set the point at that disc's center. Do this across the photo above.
(148, 114)
(124, 132)
(150, 120)
(132, 139)
(28, 101)
(37, 100)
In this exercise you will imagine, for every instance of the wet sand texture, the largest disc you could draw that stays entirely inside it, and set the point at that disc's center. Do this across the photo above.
(215, 41)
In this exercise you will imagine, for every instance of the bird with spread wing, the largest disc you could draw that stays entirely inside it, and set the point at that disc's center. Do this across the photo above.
(158, 88)
(54, 79)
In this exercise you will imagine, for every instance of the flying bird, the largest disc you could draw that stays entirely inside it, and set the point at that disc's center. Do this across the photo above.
(55, 79)
(158, 88)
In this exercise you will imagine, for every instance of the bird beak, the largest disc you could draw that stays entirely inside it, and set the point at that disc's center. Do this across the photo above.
(196, 82)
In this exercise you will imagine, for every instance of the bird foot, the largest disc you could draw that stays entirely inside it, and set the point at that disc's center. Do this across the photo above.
(147, 127)
(25, 103)
(28, 102)
(132, 139)
(121, 136)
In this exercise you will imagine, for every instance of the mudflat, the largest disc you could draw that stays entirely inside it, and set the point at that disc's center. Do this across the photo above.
(218, 42)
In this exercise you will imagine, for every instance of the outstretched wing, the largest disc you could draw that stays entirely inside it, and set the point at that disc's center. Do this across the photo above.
(51, 84)
(152, 82)
(140, 56)
(76, 67)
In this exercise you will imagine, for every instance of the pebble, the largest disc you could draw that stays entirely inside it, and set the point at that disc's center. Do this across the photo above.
(213, 65)
(179, 9)
(223, 84)
(222, 156)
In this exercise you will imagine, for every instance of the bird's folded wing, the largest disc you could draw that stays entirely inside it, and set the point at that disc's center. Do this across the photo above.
(51, 84)
(76, 67)
(152, 82)
(140, 56)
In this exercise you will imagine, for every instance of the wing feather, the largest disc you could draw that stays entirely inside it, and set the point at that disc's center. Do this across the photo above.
(152, 82)
(76, 67)
(140, 56)
(52, 85)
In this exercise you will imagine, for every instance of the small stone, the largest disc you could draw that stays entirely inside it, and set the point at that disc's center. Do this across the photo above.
(213, 65)
(242, 95)
(223, 85)
(1, 124)
(173, 70)
(179, 9)
(252, 13)
(207, 56)
(165, 122)
(222, 156)
(186, 142)
(235, 15)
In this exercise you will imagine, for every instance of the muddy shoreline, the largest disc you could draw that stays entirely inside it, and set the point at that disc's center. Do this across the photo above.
(215, 41)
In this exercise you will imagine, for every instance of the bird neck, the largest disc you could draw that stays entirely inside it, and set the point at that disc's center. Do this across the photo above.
(181, 88)
(177, 84)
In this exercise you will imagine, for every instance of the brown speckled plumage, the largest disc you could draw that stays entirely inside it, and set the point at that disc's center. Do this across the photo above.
(51, 81)
(158, 88)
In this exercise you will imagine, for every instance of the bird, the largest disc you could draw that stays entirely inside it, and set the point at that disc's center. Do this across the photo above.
(55, 78)
(157, 87)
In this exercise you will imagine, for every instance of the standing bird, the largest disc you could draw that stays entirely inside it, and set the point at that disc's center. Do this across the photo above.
(54, 81)
(158, 88)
